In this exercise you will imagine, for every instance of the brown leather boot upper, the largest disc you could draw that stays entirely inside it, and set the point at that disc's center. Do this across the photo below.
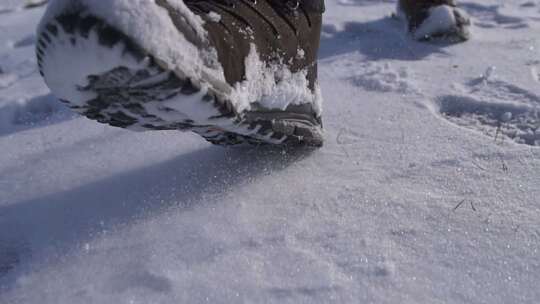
(286, 32)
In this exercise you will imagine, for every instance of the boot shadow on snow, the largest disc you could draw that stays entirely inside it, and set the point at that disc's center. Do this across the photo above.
(48, 227)
(381, 39)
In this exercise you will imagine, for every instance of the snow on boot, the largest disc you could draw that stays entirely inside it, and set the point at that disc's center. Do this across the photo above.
(233, 71)
(435, 19)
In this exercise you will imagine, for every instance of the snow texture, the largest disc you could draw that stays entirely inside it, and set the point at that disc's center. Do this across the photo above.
(425, 192)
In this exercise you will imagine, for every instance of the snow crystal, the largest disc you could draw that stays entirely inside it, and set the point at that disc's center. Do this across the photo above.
(214, 17)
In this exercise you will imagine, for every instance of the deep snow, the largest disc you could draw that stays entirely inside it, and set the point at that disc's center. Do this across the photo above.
(427, 190)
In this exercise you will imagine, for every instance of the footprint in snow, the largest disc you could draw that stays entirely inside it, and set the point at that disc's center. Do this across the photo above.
(34, 3)
(7, 79)
(374, 76)
(382, 78)
(137, 277)
(29, 40)
(500, 15)
(497, 109)
(9, 258)
(29, 113)
(12, 254)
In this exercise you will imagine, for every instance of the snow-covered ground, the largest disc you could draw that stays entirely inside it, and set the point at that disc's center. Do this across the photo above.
(427, 190)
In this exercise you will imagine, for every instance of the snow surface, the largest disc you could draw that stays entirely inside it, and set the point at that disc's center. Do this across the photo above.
(426, 191)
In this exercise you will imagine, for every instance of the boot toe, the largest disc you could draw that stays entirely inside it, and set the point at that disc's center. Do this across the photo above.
(444, 23)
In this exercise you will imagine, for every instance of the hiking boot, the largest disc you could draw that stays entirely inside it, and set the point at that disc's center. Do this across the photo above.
(435, 19)
(233, 71)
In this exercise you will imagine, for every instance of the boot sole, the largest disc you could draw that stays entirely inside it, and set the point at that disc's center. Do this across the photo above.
(141, 95)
